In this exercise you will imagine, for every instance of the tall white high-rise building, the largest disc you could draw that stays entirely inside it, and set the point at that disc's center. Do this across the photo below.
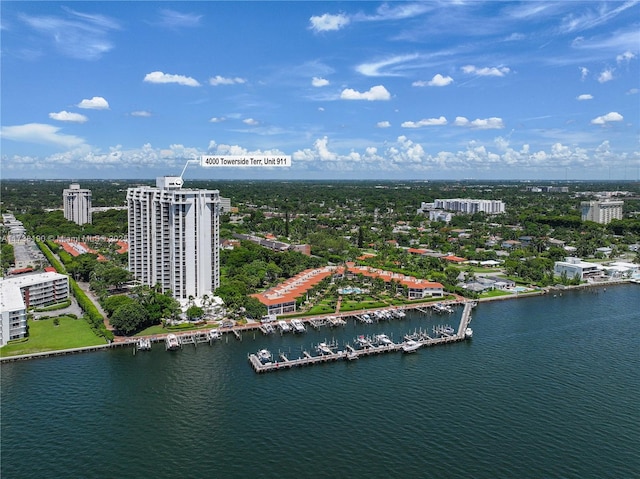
(601, 211)
(174, 237)
(77, 204)
(470, 206)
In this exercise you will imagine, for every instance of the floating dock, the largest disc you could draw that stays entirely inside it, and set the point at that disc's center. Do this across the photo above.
(352, 353)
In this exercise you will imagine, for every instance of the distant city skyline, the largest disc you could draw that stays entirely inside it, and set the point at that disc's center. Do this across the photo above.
(350, 90)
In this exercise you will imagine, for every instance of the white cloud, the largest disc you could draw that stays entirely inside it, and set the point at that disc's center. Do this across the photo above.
(77, 35)
(141, 113)
(319, 82)
(609, 117)
(219, 80)
(584, 96)
(439, 80)
(625, 57)
(392, 66)
(95, 103)
(216, 119)
(383, 124)
(397, 11)
(320, 151)
(425, 122)
(461, 121)
(632, 91)
(499, 71)
(328, 22)
(250, 122)
(584, 71)
(375, 93)
(40, 133)
(160, 77)
(173, 20)
(606, 75)
(493, 123)
(68, 116)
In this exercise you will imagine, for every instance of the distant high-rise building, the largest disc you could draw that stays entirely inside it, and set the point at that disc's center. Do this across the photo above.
(470, 206)
(601, 211)
(77, 204)
(174, 237)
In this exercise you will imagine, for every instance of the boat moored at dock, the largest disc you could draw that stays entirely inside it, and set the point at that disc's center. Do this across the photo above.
(143, 344)
(265, 357)
(284, 326)
(172, 342)
(410, 346)
(298, 326)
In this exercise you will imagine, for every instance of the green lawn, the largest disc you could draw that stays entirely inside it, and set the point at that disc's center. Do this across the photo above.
(159, 329)
(495, 293)
(44, 336)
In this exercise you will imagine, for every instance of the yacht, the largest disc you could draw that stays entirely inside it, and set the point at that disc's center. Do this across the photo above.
(143, 344)
(268, 328)
(214, 334)
(284, 326)
(298, 326)
(264, 355)
(410, 346)
(363, 342)
(448, 330)
(172, 342)
(468, 333)
(323, 348)
(383, 339)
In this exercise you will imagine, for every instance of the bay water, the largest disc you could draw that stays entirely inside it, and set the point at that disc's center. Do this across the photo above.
(549, 387)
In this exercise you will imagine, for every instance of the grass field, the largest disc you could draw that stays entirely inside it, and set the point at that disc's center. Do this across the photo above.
(494, 293)
(44, 336)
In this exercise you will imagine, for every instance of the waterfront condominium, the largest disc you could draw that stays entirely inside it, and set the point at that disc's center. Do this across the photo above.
(601, 211)
(174, 237)
(77, 204)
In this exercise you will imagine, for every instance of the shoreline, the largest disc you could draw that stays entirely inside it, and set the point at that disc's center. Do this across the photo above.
(255, 325)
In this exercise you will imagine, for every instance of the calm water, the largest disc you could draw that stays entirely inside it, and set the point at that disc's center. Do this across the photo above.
(548, 387)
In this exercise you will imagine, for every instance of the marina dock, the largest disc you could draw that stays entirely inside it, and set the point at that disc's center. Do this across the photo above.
(353, 353)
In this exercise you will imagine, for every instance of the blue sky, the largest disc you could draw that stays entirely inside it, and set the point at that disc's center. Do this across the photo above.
(350, 90)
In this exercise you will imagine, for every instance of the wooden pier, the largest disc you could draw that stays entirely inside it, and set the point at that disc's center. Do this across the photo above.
(353, 353)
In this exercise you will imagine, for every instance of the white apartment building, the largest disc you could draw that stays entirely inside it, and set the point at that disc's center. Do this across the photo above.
(19, 293)
(470, 206)
(601, 211)
(174, 237)
(77, 204)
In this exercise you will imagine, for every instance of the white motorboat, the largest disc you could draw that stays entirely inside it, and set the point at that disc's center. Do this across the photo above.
(214, 335)
(363, 342)
(323, 348)
(268, 328)
(448, 330)
(298, 326)
(284, 326)
(264, 355)
(172, 342)
(410, 346)
(383, 339)
(468, 333)
(143, 344)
